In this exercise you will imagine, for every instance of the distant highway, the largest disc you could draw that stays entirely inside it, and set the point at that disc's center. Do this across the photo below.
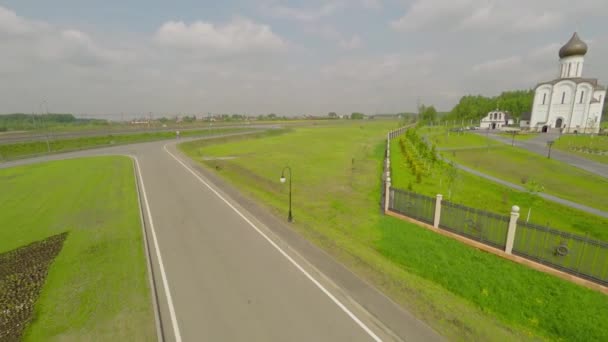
(27, 136)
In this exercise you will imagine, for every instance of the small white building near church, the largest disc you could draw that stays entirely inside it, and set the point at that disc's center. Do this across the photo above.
(495, 120)
(524, 120)
(570, 102)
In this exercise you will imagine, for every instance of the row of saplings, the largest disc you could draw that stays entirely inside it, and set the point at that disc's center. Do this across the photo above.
(22, 275)
(419, 157)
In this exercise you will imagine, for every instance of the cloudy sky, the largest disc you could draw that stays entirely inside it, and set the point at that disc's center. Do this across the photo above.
(288, 57)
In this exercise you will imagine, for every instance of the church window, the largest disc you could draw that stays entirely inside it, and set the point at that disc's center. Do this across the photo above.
(577, 69)
(568, 73)
(563, 97)
(582, 95)
(544, 97)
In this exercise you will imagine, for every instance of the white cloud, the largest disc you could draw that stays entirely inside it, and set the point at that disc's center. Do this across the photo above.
(497, 15)
(12, 24)
(244, 65)
(352, 43)
(546, 53)
(304, 14)
(43, 42)
(327, 32)
(78, 48)
(380, 67)
(428, 13)
(371, 4)
(239, 35)
(498, 64)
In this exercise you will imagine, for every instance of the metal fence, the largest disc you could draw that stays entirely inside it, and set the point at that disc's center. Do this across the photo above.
(479, 225)
(412, 205)
(397, 132)
(574, 254)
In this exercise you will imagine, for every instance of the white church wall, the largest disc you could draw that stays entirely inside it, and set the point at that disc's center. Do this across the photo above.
(563, 90)
(595, 117)
(578, 115)
(571, 66)
(599, 95)
(540, 109)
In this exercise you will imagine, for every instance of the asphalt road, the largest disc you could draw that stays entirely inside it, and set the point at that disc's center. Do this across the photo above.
(226, 271)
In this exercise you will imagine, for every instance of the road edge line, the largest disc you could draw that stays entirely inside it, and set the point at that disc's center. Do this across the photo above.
(174, 323)
(155, 301)
(281, 251)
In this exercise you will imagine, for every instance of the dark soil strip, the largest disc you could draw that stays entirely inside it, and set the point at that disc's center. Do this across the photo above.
(22, 275)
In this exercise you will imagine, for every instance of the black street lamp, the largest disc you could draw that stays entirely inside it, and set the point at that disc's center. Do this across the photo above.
(289, 217)
(549, 143)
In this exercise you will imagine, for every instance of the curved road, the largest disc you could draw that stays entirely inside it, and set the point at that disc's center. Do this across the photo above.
(226, 270)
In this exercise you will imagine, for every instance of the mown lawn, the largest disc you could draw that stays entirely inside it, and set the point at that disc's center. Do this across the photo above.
(23, 150)
(519, 166)
(584, 146)
(464, 293)
(97, 288)
(444, 139)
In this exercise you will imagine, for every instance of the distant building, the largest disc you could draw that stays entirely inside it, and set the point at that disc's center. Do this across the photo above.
(496, 120)
(524, 120)
(569, 103)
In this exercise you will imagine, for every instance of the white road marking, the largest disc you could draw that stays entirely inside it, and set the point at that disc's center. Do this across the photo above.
(178, 337)
(280, 250)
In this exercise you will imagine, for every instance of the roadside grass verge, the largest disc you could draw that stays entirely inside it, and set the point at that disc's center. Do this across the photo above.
(27, 149)
(481, 193)
(459, 290)
(534, 301)
(585, 146)
(519, 166)
(97, 287)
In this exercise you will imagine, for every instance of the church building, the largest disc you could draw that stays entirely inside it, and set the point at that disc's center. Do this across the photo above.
(570, 103)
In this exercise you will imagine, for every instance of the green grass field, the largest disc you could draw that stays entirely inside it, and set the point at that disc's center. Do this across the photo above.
(464, 293)
(583, 145)
(518, 166)
(24, 150)
(444, 139)
(97, 288)
(480, 193)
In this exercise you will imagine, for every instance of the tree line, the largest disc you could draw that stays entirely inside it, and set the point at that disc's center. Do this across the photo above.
(475, 107)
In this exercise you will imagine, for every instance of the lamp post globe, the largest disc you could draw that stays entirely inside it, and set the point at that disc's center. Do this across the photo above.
(282, 180)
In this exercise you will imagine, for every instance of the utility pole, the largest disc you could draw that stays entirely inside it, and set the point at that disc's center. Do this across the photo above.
(418, 107)
(47, 128)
